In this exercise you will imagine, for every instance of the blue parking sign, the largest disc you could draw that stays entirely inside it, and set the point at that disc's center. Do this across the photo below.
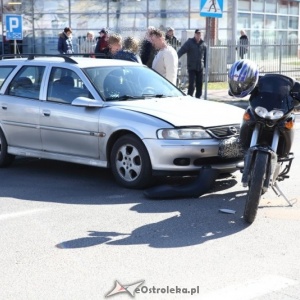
(14, 27)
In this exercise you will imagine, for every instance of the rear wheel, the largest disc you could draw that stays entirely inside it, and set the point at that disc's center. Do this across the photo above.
(258, 175)
(5, 158)
(130, 162)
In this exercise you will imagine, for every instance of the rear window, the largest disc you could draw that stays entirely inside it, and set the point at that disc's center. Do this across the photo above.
(4, 73)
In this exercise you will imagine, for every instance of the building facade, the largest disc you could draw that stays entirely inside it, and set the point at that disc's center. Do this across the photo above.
(44, 20)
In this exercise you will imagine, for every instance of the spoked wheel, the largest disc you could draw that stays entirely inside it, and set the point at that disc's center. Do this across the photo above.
(130, 162)
(5, 158)
(258, 176)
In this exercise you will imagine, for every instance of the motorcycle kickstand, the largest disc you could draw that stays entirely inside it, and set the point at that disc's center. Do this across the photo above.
(279, 192)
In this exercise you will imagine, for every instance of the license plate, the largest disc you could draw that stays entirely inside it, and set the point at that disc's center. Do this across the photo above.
(231, 148)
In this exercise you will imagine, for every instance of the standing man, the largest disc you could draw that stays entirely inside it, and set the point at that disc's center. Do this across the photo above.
(243, 44)
(166, 60)
(147, 51)
(195, 48)
(171, 38)
(64, 45)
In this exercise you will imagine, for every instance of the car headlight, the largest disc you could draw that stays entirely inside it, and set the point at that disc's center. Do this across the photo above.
(183, 134)
(271, 115)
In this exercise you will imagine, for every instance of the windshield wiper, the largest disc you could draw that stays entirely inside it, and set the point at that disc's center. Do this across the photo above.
(124, 98)
(155, 96)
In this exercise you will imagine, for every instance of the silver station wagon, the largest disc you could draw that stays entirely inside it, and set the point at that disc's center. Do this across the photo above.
(112, 114)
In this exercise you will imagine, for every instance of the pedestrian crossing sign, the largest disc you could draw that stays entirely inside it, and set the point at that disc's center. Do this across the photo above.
(211, 8)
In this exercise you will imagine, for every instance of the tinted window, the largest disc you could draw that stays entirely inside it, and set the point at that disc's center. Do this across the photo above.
(65, 85)
(27, 82)
(4, 72)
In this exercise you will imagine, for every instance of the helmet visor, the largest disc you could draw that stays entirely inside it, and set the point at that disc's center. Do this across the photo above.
(242, 89)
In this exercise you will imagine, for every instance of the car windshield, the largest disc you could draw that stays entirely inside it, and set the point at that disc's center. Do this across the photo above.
(122, 83)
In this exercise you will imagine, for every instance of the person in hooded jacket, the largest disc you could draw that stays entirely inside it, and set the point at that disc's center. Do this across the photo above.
(195, 48)
(65, 45)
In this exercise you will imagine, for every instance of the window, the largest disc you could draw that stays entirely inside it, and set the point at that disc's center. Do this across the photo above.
(243, 21)
(294, 8)
(257, 26)
(4, 72)
(282, 22)
(271, 6)
(283, 7)
(293, 23)
(244, 5)
(65, 85)
(27, 82)
(258, 5)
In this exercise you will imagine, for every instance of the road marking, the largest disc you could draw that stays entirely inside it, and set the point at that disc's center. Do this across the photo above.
(251, 289)
(21, 213)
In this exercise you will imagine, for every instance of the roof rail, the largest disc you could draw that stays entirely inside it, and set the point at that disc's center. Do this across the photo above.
(67, 58)
(31, 56)
(3, 56)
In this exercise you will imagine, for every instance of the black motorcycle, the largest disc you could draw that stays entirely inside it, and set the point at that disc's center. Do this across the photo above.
(266, 135)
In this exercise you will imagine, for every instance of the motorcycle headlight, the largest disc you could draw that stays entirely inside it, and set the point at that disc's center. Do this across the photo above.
(271, 115)
(183, 134)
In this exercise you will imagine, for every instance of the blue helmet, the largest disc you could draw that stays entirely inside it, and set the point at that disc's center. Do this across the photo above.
(242, 77)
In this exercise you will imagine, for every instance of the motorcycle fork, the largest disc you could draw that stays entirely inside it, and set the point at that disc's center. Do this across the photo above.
(272, 163)
(251, 154)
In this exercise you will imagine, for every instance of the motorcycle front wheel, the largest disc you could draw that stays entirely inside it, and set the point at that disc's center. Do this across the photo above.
(257, 178)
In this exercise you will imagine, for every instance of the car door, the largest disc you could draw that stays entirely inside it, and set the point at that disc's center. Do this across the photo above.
(67, 129)
(20, 109)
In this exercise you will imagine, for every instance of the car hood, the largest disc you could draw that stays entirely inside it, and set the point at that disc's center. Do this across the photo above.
(186, 111)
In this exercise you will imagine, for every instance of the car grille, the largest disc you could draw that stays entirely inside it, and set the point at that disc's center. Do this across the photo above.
(224, 131)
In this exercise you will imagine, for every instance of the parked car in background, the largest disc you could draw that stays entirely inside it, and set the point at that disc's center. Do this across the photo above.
(112, 114)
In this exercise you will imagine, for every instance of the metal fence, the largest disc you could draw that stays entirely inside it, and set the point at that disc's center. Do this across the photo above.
(271, 57)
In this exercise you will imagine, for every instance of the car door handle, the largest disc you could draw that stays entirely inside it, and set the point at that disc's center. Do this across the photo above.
(4, 106)
(46, 113)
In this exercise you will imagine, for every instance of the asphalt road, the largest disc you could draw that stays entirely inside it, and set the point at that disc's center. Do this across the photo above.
(69, 232)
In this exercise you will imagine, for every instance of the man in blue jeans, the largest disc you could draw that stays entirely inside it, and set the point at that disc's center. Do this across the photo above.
(195, 48)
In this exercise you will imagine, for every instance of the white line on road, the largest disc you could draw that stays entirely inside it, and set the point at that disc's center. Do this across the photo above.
(251, 289)
(21, 213)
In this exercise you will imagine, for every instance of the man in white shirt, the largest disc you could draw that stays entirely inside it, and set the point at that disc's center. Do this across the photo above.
(166, 60)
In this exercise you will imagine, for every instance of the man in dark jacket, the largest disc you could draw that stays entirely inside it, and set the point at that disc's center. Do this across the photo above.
(195, 48)
(65, 45)
(147, 51)
(243, 44)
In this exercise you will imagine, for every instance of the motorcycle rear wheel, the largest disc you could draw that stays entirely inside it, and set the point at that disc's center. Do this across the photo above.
(258, 176)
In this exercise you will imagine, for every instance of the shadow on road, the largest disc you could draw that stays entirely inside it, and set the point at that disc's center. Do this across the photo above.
(193, 221)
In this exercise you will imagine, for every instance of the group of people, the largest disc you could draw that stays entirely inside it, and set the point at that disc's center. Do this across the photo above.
(158, 50)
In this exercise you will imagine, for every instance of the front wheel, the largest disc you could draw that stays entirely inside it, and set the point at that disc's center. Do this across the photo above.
(258, 175)
(130, 162)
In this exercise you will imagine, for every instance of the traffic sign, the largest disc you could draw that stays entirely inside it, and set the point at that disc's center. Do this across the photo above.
(211, 8)
(14, 27)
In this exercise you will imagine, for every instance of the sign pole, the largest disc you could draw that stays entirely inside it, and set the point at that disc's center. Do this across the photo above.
(210, 9)
(207, 57)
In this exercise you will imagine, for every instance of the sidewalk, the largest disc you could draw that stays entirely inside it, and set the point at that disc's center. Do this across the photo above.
(222, 96)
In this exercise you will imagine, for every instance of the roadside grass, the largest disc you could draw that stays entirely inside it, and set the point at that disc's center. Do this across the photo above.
(217, 85)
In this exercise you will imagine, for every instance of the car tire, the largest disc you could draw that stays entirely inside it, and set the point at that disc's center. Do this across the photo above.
(5, 158)
(130, 162)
